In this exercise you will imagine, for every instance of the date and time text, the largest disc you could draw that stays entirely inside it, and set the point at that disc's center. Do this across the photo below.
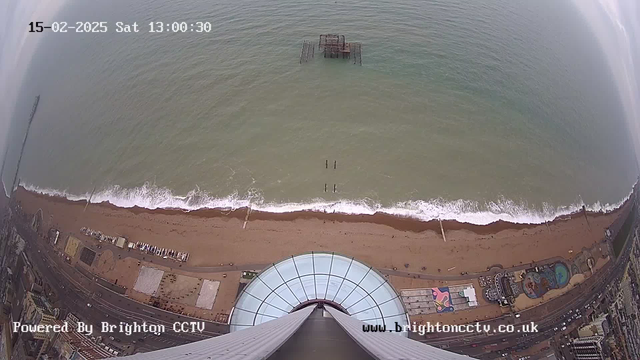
(120, 27)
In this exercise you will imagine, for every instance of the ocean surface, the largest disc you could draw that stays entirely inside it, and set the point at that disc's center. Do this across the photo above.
(461, 110)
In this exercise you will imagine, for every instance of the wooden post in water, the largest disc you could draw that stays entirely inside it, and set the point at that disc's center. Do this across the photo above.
(326, 164)
(334, 187)
(335, 163)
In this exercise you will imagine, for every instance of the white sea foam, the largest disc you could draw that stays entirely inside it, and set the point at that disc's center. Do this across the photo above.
(153, 197)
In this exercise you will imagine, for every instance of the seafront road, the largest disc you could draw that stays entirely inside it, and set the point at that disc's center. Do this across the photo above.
(75, 290)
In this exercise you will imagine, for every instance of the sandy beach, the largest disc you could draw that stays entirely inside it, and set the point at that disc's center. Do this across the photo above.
(215, 237)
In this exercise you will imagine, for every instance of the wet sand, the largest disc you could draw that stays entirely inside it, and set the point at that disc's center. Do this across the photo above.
(215, 237)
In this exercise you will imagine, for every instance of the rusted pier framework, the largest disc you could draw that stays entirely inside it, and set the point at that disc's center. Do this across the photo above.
(308, 51)
(333, 46)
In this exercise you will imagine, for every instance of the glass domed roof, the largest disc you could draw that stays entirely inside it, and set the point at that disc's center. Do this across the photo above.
(342, 282)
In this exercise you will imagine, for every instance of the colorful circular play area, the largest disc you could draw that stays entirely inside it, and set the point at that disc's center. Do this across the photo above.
(548, 277)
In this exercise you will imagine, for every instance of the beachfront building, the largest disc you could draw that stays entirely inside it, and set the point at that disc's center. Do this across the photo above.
(313, 306)
(598, 326)
(36, 312)
(588, 348)
(73, 345)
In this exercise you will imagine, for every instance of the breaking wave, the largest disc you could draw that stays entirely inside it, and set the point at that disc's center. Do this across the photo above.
(153, 197)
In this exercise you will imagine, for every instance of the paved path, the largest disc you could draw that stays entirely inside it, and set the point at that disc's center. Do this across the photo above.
(143, 256)
(470, 276)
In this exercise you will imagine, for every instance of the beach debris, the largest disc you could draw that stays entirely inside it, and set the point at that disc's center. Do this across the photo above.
(395, 268)
(406, 266)
(451, 268)
(424, 268)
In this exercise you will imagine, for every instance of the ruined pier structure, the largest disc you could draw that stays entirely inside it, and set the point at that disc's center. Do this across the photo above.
(332, 46)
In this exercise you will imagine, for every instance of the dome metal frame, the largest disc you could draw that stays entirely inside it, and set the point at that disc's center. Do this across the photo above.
(346, 284)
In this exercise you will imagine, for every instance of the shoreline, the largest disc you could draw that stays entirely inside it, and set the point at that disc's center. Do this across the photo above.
(397, 222)
(471, 212)
(214, 237)
(410, 253)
